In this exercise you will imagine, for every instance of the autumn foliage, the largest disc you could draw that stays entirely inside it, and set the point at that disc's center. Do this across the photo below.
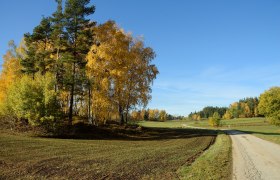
(244, 108)
(69, 68)
(270, 105)
(120, 67)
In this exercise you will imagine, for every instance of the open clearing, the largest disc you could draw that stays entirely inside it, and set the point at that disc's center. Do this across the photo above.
(157, 154)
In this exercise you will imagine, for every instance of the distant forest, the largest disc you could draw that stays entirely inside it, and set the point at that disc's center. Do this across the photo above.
(244, 108)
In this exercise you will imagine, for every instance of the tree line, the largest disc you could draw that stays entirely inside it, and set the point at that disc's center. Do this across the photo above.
(152, 115)
(268, 105)
(207, 112)
(244, 108)
(70, 67)
(247, 107)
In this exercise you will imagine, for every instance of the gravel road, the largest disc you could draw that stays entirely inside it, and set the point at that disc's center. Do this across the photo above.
(254, 158)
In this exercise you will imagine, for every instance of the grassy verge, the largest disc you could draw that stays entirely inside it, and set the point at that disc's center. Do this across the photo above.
(215, 163)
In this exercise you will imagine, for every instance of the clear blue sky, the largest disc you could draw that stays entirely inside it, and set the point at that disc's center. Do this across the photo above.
(208, 52)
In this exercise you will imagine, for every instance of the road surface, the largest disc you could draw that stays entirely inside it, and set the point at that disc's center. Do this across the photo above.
(254, 158)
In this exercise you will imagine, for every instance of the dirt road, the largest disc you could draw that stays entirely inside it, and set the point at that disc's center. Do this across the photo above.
(254, 158)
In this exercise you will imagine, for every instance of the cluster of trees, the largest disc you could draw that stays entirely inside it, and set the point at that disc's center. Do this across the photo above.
(152, 115)
(207, 112)
(149, 114)
(70, 67)
(244, 108)
(269, 105)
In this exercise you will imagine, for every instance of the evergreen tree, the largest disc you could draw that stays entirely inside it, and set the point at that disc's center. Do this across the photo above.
(79, 34)
(59, 43)
(38, 49)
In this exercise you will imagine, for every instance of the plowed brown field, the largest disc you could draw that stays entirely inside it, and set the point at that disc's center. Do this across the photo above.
(157, 154)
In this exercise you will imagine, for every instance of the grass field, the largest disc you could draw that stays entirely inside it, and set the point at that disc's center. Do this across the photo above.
(232, 122)
(156, 154)
(259, 127)
(166, 124)
(215, 163)
(268, 132)
(204, 123)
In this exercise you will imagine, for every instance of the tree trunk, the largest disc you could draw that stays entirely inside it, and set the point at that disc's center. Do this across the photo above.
(72, 97)
(121, 115)
(57, 69)
(126, 115)
(127, 103)
(89, 108)
(71, 105)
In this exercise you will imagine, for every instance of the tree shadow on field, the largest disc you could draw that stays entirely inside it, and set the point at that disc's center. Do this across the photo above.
(88, 132)
(238, 132)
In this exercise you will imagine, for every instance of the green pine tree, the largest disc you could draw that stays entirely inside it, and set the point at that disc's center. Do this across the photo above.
(79, 33)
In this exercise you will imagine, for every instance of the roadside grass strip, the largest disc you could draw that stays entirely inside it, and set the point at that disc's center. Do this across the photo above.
(215, 163)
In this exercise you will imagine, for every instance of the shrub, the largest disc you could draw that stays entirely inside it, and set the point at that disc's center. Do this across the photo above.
(215, 120)
(34, 100)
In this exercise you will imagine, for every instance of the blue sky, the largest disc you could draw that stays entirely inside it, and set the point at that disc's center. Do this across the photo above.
(208, 52)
